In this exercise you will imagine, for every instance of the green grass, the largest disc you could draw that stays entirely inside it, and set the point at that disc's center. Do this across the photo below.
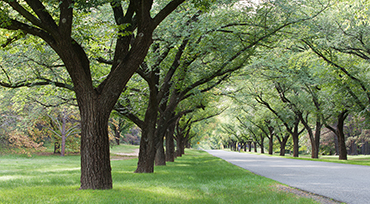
(197, 177)
(123, 148)
(356, 160)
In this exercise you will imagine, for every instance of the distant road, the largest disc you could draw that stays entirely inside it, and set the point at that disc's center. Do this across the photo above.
(343, 182)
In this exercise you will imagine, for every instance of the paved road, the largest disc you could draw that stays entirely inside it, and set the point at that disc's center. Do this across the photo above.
(342, 182)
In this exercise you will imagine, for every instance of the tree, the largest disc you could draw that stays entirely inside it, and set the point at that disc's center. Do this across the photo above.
(53, 23)
(63, 125)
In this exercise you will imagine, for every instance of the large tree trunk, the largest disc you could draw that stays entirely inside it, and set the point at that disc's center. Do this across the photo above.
(170, 144)
(95, 160)
(148, 140)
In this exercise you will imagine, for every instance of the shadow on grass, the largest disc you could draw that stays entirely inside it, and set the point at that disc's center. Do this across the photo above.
(194, 178)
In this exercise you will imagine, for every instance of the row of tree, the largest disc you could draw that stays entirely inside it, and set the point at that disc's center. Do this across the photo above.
(156, 63)
(313, 77)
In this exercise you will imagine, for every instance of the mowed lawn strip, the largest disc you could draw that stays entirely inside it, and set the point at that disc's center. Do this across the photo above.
(351, 159)
(196, 177)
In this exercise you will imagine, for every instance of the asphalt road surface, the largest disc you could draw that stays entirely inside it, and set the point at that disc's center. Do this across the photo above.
(342, 182)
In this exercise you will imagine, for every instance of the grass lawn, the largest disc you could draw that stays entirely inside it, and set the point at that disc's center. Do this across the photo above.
(351, 159)
(197, 177)
(357, 160)
(123, 148)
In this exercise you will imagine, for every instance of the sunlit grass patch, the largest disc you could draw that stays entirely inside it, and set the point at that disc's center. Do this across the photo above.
(351, 159)
(197, 177)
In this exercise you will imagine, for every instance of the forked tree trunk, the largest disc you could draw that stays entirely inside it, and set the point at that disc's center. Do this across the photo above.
(283, 142)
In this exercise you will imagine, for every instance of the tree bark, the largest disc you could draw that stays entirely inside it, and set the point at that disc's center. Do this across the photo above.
(283, 142)
(95, 156)
(250, 146)
(341, 138)
(271, 140)
(282, 148)
(336, 144)
(117, 135)
(160, 157)
(170, 144)
(262, 145)
(96, 103)
(295, 145)
(178, 145)
(148, 140)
